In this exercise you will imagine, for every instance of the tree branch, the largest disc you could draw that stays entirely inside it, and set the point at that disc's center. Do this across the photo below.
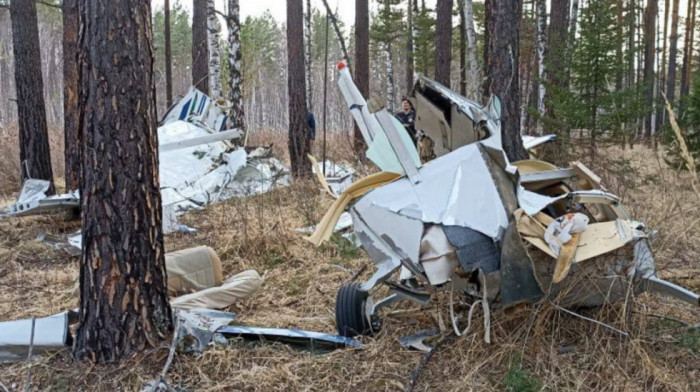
(52, 5)
(337, 32)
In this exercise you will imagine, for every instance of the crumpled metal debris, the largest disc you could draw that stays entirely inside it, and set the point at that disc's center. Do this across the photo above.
(32, 200)
(198, 326)
(49, 333)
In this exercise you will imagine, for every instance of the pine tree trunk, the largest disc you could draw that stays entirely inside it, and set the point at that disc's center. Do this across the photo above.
(34, 151)
(660, 112)
(672, 55)
(409, 48)
(361, 62)
(474, 74)
(556, 49)
(71, 113)
(649, 58)
(299, 146)
(235, 80)
(200, 46)
(687, 54)
(168, 56)
(123, 284)
(307, 53)
(443, 46)
(501, 60)
(213, 30)
(462, 49)
(541, 49)
(573, 24)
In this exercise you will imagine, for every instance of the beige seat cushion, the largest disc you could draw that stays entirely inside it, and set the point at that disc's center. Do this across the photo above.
(192, 270)
(234, 289)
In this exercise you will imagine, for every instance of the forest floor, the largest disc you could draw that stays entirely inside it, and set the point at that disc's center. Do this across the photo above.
(533, 347)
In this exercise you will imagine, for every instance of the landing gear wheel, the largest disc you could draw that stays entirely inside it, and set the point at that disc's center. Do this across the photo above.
(350, 317)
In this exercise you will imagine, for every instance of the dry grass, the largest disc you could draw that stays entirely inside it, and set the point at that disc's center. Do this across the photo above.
(534, 348)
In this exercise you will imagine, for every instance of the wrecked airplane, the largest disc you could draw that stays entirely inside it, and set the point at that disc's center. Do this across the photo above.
(470, 221)
(199, 164)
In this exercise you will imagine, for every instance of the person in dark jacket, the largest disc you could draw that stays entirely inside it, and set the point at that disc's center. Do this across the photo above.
(407, 118)
(312, 128)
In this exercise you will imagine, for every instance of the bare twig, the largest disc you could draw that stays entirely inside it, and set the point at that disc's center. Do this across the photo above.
(4, 388)
(339, 34)
(52, 5)
(689, 161)
(358, 273)
(424, 361)
(29, 357)
(171, 354)
(625, 334)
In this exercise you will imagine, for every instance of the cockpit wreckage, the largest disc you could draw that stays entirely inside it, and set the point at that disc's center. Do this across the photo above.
(470, 221)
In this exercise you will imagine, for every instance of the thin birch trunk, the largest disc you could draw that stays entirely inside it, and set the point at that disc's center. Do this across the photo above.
(474, 74)
(213, 30)
(541, 44)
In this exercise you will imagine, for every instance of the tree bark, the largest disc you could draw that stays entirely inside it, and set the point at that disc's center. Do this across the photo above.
(474, 74)
(462, 49)
(361, 61)
(649, 57)
(34, 150)
(672, 55)
(168, 55)
(123, 283)
(501, 60)
(541, 50)
(299, 146)
(213, 31)
(687, 53)
(200, 48)
(235, 80)
(555, 57)
(71, 111)
(443, 46)
(307, 40)
(409, 48)
(573, 25)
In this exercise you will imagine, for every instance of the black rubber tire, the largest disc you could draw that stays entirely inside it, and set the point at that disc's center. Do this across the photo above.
(349, 311)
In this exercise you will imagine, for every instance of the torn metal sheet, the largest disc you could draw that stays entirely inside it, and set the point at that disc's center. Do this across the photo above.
(344, 222)
(459, 175)
(198, 326)
(530, 142)
(390, 147)
(50, 333)
(297, 337)
(417, 341)
(199, 109)
(60, 243)
(32, 200)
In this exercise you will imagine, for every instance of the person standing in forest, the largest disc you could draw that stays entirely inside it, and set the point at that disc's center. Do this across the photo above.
(407, 118)
(312, 130)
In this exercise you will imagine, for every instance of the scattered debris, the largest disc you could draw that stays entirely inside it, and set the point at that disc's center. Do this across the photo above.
(309, 339)
(336, 177)
(417, 340)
